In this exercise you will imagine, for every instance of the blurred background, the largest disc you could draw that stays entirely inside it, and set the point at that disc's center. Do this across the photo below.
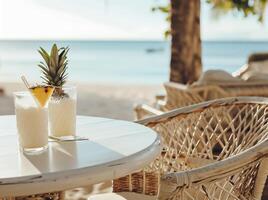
(119, 55)
(117, 41)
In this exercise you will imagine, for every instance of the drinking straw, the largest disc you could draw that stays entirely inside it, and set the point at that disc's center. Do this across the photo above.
(25, 82)
(27, 85)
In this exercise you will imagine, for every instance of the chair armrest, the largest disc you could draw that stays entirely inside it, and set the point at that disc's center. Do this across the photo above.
(225, 176)
(143, 111)
(220, 169)
(160, 104)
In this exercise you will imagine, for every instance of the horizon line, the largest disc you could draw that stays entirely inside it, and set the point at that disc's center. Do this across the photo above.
(123, 40)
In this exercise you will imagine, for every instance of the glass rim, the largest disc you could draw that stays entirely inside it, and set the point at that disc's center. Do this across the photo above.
(63, 87)
(26, 92)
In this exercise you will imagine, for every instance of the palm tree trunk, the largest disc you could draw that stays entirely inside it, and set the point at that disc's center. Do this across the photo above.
(186, 64)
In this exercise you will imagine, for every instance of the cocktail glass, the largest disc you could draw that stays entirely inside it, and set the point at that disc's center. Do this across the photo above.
(32, 123)
(62, 112)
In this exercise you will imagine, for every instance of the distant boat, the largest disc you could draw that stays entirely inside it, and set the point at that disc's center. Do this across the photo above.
(153, 50)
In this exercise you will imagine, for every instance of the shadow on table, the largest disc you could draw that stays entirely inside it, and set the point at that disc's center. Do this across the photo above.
(70, 155)
(73, 155)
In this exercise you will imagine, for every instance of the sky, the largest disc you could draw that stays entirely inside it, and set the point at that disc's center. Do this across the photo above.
(112, 20)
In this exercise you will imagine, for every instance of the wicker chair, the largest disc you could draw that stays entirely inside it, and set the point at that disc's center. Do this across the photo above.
(178, 95)
(257, 57)
(253, 58)
(214, 150)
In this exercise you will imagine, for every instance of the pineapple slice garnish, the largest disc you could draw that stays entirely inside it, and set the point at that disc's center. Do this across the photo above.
(42, 94)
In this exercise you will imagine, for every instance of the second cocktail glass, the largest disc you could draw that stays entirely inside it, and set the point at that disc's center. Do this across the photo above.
(62, 112)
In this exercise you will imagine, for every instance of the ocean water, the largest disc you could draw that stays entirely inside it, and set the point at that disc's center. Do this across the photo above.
(143, 62)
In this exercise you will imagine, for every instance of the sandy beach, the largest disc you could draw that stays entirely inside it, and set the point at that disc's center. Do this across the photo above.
(112, 101)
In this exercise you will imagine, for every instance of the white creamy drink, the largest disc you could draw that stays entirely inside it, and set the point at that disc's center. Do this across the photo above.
(32, 125)
(62, 116)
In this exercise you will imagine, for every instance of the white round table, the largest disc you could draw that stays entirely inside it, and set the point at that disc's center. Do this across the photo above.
(115, 148)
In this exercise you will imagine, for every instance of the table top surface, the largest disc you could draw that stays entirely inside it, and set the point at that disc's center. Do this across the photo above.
(115, 148)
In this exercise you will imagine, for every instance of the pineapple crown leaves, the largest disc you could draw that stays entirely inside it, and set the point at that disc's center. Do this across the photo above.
(55, 65)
